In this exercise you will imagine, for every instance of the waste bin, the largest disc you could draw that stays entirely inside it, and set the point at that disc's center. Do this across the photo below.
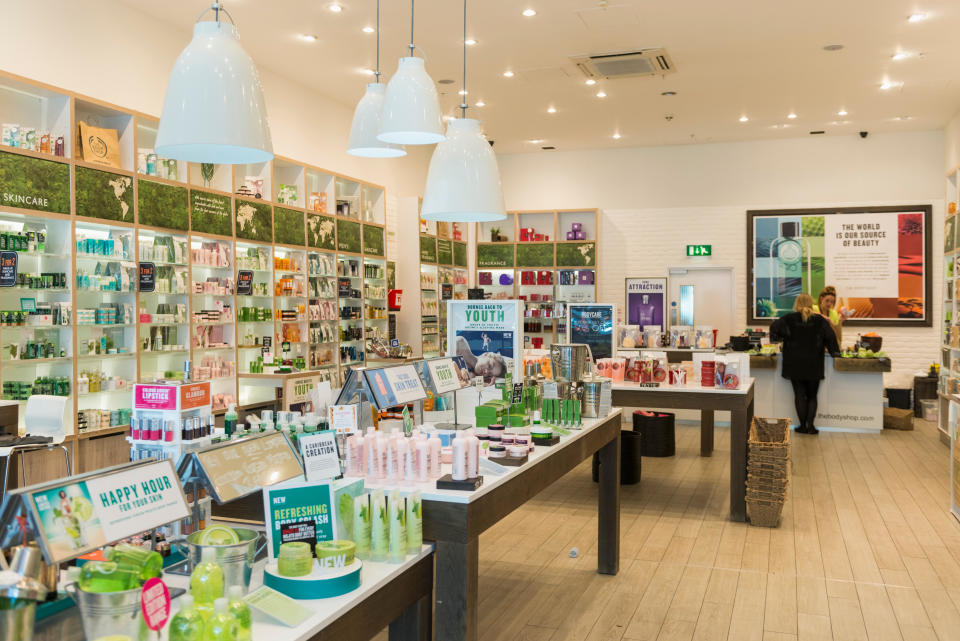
(629, 459)
(899, 397)
(659, 432)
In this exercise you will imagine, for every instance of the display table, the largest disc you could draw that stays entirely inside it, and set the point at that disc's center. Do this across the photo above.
(850, 396)
(738, 402)
(674, 355)
(455, 519)
(392, 594)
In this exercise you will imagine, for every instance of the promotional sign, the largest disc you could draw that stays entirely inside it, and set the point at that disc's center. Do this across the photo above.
(244, 282)
(876, 257)
(647, 302)
(148, 277)
(448, 374)
(155, 397)
(446, 291)
(296, 392)
(487, 335)
(592, 324)
(80, 516)
(155, 604)
(239, 468)
(344, 419)
(278, 606)
(194, 395)
(8, 269)
(394, 386)
(321, 460)
(298, 511)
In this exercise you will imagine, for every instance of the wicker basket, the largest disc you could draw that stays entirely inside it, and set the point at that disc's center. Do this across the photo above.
(764, 513)
(770, 430)
(767, 484)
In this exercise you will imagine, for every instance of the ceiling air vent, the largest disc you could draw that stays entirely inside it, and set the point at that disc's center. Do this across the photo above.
(624, 64)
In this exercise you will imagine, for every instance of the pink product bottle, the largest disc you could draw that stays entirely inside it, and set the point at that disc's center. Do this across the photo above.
(392, 464)
(473, 454)
(380, 456)
(370, 456)
(459, 461)
(409, 454)
(360, 454)
(422, 458)
(435, 462)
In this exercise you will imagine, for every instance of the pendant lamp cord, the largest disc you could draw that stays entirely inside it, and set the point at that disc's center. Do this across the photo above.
(217, 7)
(378, 43)
(463, 95)
(412, 47)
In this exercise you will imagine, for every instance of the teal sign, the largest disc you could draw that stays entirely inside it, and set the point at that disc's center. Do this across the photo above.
(699, 250)
(299, 513)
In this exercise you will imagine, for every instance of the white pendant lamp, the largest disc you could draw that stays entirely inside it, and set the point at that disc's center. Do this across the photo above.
(366, 118)
(214, 110)
(463, 181)
(411, 110)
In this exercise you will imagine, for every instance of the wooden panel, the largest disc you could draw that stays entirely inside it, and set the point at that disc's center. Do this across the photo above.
(98, 452)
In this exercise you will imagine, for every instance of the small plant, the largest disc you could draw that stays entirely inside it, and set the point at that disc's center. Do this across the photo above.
(494, 234)
(206, 172)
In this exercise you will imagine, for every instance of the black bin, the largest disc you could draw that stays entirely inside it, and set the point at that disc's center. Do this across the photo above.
(658, 430)
(899, 397)
(629, 459)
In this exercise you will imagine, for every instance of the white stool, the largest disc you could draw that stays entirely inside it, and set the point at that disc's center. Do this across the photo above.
(43, 417)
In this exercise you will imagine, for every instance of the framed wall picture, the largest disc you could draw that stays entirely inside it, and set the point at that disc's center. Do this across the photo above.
(878, 259)
(646, 302)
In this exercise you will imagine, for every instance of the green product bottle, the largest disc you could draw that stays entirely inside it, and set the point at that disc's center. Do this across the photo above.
(230, 420)
(107, 576)
(206, 581)
(221, 626)
(149, 562)
(241, 612)
(187, 623)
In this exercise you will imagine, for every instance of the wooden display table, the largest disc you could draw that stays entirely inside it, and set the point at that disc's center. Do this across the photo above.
(708, 400)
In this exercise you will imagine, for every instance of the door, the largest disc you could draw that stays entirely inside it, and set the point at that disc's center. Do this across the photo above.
(705, 296)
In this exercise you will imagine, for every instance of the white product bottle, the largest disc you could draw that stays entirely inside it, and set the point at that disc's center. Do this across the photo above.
(459, 448)
(359, 454)
(380, 457)
(351, 458)
(370, 445)
(393, 462)
(409, 454)
(473, 454)
(435, 459)
(423, 458)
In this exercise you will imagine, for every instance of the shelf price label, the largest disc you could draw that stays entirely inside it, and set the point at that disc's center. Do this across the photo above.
(8, 269)
(244, 282)
(148, 277)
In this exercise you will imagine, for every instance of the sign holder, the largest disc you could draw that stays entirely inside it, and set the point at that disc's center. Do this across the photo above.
(429, 368)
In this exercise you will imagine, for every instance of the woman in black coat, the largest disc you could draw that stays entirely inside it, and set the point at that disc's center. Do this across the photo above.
(805, 335)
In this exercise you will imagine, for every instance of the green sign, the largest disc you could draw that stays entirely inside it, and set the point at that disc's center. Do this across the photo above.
(428, 249)
(535, 255)
(210, 213)
(495, 255)
(288, 226)
(391, 274)
(302, 513)
(101, 194)
(254, 220)
(699, 250)
(321, 231)
(460, 254)
(373, 241)
(32, 183)
(444, 251)
(163, 205)
(576, 254)
(949, 234)
(349, 236)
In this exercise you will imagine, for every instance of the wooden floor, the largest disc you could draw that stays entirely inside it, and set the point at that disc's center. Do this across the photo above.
(866, 549)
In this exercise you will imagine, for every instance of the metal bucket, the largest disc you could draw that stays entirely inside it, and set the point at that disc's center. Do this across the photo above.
(236, 560)
(590, 403)
(108, 613)
(571, 361)
(17, 625)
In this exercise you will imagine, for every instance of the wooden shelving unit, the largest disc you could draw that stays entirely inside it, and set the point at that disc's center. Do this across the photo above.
(443, 277)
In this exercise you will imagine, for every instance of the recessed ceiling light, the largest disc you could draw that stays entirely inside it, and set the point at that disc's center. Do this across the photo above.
(590, 82)
(469, 42)
(783, 126)
(480, 103)
(668, 93)
(616, 136)
(601, 94)
(916, 17)
(791, 115)
(842, 112)
(508, 74)
(463, 92)
(551, 110)
(833, 47)
(904, 118)
(334, 7)
(307, 37)
(535, 141)
(744, 119)
(529, 13)
(886, 85)
(368, 29)
(367, 72)
(840, 122)
(900, 55)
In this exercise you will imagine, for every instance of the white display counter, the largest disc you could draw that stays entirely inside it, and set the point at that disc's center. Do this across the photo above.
(847, 401)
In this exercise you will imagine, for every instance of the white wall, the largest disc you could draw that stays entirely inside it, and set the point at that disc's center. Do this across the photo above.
(115, 53)
(656, 200)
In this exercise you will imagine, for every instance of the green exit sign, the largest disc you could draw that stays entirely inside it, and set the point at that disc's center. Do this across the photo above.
(699, 250)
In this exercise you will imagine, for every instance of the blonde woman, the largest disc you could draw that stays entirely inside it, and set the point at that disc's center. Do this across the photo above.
(827, 307)
(805, 335)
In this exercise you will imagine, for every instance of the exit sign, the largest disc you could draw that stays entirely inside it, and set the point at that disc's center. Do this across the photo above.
(699, 250)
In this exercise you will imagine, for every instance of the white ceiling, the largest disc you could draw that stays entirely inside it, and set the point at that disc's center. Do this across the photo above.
(759, 58)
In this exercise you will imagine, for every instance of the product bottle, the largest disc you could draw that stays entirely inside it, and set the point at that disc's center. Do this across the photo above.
(435, 459)
(370, 445)
(380, 459)
(358, 453)
(414, 523)
(393, 455)
(380, 526)
(407, 454)
(473, 454)
(149, 562)
(107, 576)
(422, 446)
(241, 612)
(459, 457)
(221, 626)
(206, 581)
(186, 624)
(361, 526)
(788, 253)
(230, 420)
(398, 530)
